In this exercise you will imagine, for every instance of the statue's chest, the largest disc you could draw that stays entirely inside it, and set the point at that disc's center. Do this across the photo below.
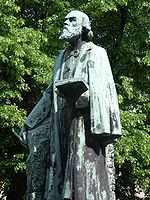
(69, 66)
(73, 65)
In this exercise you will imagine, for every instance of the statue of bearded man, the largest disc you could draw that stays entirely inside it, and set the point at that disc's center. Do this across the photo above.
(71, 130)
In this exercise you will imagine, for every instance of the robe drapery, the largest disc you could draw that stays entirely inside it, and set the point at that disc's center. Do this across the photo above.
(71, 141)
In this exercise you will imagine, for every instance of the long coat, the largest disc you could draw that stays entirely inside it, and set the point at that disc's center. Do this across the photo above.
(67, 148)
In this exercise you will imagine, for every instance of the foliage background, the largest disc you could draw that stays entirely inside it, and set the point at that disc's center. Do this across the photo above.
(28, 45)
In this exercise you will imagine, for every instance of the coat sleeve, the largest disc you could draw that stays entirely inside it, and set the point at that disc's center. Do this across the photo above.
(104, 110)
(41, 110)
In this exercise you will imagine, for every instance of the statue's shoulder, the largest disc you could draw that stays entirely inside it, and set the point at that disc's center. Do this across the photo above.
(97, 48)
(59, 56)
(60, 52)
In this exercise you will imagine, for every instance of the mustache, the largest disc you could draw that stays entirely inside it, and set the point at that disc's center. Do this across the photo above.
(68, 28)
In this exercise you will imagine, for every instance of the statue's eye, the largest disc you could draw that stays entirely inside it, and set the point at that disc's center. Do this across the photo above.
(72, 19)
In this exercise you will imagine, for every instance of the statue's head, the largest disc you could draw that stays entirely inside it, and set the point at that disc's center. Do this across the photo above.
(76, 24)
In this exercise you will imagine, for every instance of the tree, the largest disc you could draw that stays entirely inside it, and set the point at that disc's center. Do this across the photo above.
(25, 70)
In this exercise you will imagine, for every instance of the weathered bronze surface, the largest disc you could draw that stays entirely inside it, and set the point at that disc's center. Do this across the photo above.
(70, 132)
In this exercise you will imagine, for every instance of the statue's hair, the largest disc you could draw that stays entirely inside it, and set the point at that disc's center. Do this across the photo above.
(87, 34)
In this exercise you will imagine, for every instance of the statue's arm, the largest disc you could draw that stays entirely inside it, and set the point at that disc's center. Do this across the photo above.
(37, 115)
(41, 110)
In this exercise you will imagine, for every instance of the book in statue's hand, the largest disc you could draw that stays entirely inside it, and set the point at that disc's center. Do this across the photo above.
(71, 89)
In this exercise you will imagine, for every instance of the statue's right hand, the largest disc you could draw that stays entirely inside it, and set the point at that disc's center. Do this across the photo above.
(23, 134)
(83, 100)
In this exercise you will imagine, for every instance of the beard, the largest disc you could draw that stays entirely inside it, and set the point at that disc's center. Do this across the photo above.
(68, 32)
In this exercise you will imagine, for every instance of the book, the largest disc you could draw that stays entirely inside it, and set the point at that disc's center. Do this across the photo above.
(71, 89)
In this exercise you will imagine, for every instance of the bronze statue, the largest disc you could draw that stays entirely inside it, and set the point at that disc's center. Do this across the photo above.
(71, 130)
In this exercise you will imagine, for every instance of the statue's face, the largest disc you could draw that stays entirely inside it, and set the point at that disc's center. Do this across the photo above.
(72, 26)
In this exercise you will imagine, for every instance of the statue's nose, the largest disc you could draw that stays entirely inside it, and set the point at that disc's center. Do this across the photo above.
(66, 22)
